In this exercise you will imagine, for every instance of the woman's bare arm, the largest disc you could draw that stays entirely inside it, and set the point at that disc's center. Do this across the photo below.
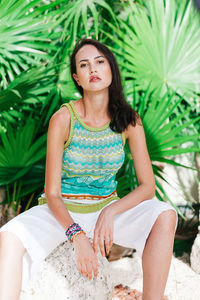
(146, 189)
(143, 169)
(58, 133)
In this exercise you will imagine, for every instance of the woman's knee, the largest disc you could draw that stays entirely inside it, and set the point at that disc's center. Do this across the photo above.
(9, 242)
(167, 221)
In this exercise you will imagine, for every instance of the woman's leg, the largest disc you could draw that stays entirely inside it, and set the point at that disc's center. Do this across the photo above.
(11, 256)
(157, 256)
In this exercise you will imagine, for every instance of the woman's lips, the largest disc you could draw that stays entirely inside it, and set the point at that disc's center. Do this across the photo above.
(94, 78)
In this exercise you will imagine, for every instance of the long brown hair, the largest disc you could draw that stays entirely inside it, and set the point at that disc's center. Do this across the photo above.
(120, 111)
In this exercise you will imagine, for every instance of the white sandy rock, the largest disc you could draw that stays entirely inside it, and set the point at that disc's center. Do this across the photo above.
(60, 279)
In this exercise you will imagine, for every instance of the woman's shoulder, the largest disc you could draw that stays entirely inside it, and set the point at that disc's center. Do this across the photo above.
(62, 114)
(133, 130)
(59, 125)
(61, 118)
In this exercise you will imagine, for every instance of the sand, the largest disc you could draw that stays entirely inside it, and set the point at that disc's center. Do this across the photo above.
(183, 283)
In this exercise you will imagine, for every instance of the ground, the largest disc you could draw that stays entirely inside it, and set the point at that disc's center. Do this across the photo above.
(182, 282)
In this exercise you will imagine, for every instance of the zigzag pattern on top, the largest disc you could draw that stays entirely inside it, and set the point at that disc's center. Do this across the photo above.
(94, 155)
(91, 160)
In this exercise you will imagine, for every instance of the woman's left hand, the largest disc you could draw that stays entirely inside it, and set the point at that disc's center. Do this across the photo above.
(103, 231)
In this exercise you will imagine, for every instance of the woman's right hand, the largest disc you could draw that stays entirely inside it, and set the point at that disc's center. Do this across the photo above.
(86, 259)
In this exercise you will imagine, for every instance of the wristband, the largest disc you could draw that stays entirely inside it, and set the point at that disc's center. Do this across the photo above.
(77, 233)
(73, 230)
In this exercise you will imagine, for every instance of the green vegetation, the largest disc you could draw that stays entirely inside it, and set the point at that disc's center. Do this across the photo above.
(157, 47)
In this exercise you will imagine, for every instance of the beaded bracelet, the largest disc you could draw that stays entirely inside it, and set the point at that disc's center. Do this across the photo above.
(73, 230)
(77, 233)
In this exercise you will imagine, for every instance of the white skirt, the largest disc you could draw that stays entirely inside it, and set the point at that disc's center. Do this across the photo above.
(41, 233)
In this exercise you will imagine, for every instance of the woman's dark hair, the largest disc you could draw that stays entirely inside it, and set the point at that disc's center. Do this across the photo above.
(120, 111)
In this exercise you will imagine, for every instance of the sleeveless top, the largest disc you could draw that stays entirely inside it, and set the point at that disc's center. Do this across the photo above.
(91, 159)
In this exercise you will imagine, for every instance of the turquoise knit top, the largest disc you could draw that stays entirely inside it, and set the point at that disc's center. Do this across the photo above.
(91, 158)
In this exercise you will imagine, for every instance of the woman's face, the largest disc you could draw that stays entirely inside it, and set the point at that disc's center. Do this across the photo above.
(93, 71)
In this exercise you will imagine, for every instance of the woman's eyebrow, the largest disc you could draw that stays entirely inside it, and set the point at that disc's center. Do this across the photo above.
(88, 59)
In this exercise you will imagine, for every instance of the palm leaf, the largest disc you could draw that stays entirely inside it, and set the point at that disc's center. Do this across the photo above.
(22, 157)
(159, 45)
(29, 89)
(19, 148)
(26, 39)
(19, 152)
(77, 12)
(166, 137)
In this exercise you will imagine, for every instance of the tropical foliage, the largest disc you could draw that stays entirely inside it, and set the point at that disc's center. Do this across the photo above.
(157, 48)
(164, 135)
(158, 44)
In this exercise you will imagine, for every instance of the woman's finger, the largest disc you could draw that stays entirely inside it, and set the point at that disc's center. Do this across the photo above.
(84, 269)
(107, 244)
(110, 241)
(78, 265)
(95, 266)
(95, 241)
(101, 246)
(88, 267)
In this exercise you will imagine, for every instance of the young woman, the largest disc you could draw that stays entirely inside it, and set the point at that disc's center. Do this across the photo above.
(85, 149)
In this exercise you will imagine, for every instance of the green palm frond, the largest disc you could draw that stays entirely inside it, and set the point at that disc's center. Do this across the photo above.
(65, 82)
(26, 37)
(164, 135)
(165, 130)
(20, 150)
(167, 135)
(159, 44)
(26, 91)
(77, 12)
(36, 89)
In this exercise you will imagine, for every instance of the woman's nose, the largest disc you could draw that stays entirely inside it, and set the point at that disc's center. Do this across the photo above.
(92, 69)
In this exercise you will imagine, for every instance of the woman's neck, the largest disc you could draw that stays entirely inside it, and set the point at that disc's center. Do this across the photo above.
(94, 106)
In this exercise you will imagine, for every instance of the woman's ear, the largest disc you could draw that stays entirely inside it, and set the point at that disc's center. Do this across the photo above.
(76, 78)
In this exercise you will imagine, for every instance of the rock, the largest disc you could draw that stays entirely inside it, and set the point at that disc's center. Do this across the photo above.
(116, 252)
(195, 254)
(60, 279)
(124, 292)
(181, 185)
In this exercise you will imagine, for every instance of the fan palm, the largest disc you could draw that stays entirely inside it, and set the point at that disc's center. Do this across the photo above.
(22, 158)
(165, 138)
(27, 92)
(159, 44)
(20, 150)
(77, 11)
(38, 89)
(26, 36)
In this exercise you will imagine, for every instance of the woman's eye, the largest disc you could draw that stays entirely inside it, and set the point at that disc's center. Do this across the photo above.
(83, 65)
(101, 61)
